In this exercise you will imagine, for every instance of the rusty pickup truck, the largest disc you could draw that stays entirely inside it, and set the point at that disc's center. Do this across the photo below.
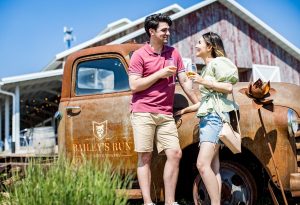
(94, 121)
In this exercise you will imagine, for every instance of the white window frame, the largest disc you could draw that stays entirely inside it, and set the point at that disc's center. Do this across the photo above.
(274, 77)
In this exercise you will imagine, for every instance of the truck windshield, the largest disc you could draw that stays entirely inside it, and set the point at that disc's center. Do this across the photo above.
(100, 76)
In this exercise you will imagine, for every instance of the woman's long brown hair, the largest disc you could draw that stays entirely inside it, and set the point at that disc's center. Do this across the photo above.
(216, 42)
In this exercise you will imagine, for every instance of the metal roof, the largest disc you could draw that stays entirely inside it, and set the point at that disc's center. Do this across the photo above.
(60, 56)
(239, 11)
(39, 95)
(30, 76)
(230, 4)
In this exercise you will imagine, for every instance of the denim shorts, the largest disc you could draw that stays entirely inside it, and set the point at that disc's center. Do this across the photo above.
(210, 127)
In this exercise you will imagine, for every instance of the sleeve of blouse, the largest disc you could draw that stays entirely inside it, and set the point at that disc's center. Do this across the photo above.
(224, 70)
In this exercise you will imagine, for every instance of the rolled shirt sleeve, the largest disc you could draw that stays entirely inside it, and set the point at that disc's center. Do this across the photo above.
(180, 65)
(136, 65)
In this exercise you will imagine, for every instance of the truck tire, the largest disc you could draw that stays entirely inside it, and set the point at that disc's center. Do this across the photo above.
(238, 186)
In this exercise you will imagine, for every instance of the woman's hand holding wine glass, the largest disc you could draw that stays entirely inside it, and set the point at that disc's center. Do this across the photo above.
(191, 72)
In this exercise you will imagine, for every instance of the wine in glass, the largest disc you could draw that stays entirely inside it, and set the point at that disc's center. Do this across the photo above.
(191, 70)
(170, 62)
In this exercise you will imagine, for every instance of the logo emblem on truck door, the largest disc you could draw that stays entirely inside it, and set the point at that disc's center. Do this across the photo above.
(100, 129)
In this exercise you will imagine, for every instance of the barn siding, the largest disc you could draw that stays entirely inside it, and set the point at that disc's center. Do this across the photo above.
(244, 44)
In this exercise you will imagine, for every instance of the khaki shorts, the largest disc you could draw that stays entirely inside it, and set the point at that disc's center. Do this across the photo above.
(148, 127)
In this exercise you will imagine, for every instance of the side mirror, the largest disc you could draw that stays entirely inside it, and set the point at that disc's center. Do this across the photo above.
(58, 115)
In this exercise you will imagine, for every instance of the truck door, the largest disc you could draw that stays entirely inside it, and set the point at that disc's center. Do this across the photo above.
(98, 122)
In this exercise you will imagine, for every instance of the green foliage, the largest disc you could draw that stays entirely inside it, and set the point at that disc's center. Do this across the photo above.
(66, 183)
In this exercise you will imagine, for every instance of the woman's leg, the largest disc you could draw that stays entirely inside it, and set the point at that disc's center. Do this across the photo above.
(216, 168)
(204, 164)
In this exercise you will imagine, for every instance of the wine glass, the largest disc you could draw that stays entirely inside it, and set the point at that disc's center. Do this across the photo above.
(170, 62)
(191, 70)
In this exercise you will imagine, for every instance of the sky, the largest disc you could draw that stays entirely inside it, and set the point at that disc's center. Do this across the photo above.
(31, 31)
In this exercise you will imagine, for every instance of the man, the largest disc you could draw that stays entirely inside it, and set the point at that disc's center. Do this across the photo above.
(152, 74)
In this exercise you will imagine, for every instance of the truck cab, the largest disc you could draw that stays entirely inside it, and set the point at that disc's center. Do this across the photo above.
(95, 121)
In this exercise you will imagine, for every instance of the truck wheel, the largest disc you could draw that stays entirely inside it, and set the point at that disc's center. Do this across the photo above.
(238, 186)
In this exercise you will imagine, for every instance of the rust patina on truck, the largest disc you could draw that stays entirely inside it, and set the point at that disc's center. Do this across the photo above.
(95, 121)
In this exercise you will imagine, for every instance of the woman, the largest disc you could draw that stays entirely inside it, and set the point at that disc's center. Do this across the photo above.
(215, 82)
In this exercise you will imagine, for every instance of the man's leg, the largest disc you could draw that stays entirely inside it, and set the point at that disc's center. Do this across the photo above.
(143, 131)
(144, 175)
(167, 140)
(171, 173)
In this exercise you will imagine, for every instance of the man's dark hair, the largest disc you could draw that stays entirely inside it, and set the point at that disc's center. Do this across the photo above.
(153, 20)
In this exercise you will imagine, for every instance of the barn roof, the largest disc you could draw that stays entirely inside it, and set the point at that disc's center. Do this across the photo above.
(111, 29)
(180, 12)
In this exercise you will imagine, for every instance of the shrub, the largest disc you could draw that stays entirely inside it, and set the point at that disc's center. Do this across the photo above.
(66, 183)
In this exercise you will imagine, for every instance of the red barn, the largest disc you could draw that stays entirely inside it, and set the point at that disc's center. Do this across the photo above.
(254, 47)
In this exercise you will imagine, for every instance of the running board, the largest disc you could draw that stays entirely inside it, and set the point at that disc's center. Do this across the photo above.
(130, 193)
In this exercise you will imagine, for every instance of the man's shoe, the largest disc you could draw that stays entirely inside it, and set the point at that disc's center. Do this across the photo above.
(151, 204)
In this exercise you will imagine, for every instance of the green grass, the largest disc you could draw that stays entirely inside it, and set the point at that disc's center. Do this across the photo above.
(68, 184)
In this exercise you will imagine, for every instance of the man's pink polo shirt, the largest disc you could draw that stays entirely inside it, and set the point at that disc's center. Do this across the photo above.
(159, 97)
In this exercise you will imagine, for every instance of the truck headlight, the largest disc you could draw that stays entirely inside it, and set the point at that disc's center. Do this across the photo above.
(292, 122)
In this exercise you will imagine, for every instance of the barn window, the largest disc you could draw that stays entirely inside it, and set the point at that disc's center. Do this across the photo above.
(266, 73)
